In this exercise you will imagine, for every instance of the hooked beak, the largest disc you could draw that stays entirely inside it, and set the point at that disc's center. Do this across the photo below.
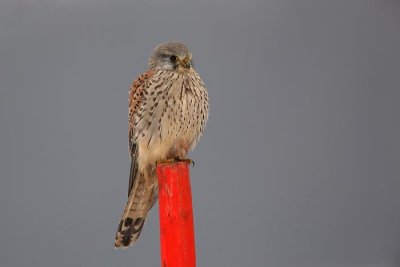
(185, 63)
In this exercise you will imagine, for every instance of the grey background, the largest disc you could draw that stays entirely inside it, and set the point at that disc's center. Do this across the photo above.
(299, 164)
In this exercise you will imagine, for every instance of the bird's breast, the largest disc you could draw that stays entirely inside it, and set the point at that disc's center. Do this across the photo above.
(174, 115)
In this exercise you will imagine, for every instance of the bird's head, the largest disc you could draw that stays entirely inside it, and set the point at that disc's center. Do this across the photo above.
(172, 56)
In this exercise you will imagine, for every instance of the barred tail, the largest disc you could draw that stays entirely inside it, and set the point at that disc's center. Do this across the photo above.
(140, 201)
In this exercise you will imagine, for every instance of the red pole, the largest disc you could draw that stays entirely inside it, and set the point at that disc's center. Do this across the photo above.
(176, 215)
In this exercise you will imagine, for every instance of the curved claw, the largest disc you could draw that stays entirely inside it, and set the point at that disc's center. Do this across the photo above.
(188, 160)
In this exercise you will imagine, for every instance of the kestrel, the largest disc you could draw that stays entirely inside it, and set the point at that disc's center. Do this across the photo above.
(168, 110)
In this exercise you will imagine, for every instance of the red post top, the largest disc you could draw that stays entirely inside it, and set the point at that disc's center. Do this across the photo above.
(176, 215)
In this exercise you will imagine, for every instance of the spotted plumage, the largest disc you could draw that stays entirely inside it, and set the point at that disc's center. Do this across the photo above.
(168, 110)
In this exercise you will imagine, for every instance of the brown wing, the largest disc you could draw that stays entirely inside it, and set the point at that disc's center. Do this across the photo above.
(137, 93)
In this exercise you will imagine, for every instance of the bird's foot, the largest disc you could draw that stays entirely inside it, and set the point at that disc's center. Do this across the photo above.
(187, 160)
(165, 161)
(175, 160)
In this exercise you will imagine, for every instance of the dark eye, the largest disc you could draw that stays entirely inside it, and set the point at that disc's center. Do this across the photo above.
(172, 58)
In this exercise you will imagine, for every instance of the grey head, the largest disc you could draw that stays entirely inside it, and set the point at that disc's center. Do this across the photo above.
(173, 56)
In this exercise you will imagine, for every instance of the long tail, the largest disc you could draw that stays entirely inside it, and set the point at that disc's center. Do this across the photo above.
(141, 199)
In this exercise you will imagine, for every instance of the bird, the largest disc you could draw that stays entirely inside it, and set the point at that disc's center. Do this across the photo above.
(168, 111)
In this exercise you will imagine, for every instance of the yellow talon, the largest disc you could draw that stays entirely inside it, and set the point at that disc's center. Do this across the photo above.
(165, 161)
(174, 160)
(190, 161)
